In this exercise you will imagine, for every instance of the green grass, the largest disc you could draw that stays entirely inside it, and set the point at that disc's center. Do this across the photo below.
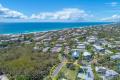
(69, 74)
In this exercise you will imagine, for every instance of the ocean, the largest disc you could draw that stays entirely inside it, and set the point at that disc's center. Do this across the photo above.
(19, 28)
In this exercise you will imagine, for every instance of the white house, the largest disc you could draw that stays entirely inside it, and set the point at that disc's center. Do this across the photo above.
(115, 57)
(90, 75)
(106, 74)
(110, 74)
(81, 46)
(108, 52)
(61, 39)
(91, 39)
(86, 73)
(62, 79)
(3, 77)
(56, 49)
(99, 49)
(37, 46)
(47, 39)
(101, 70)
(81, 74)
(87, 55)
(58, 45)
(46, 49)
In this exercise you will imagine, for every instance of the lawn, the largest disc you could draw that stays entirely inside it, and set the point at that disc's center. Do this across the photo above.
(69, 74)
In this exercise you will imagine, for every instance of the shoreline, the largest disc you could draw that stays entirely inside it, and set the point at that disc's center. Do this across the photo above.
(34, 32)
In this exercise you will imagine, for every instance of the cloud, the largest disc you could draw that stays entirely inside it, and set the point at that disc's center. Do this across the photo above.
(113, 4)
(6, 13)
(113, 18)
(69, 14)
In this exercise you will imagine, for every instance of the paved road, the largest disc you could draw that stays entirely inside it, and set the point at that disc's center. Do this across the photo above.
(58, 68)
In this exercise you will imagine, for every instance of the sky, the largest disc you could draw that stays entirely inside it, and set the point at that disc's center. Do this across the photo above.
(59, 10)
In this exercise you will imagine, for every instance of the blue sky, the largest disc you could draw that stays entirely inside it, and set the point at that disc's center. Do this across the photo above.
(59, 10)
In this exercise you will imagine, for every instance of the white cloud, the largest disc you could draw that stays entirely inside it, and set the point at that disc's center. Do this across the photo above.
(6, 13)
(65, 14)
(113, 4)
(112, 18)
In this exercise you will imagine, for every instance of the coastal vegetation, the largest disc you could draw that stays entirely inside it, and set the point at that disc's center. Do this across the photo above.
(21, 63)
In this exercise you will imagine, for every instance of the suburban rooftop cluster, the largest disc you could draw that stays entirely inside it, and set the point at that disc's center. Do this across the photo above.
(88, 53)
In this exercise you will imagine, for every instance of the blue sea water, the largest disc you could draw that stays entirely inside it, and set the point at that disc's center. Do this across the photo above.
(18, 28)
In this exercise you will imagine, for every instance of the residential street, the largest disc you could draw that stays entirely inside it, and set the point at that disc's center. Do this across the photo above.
(58, 68)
